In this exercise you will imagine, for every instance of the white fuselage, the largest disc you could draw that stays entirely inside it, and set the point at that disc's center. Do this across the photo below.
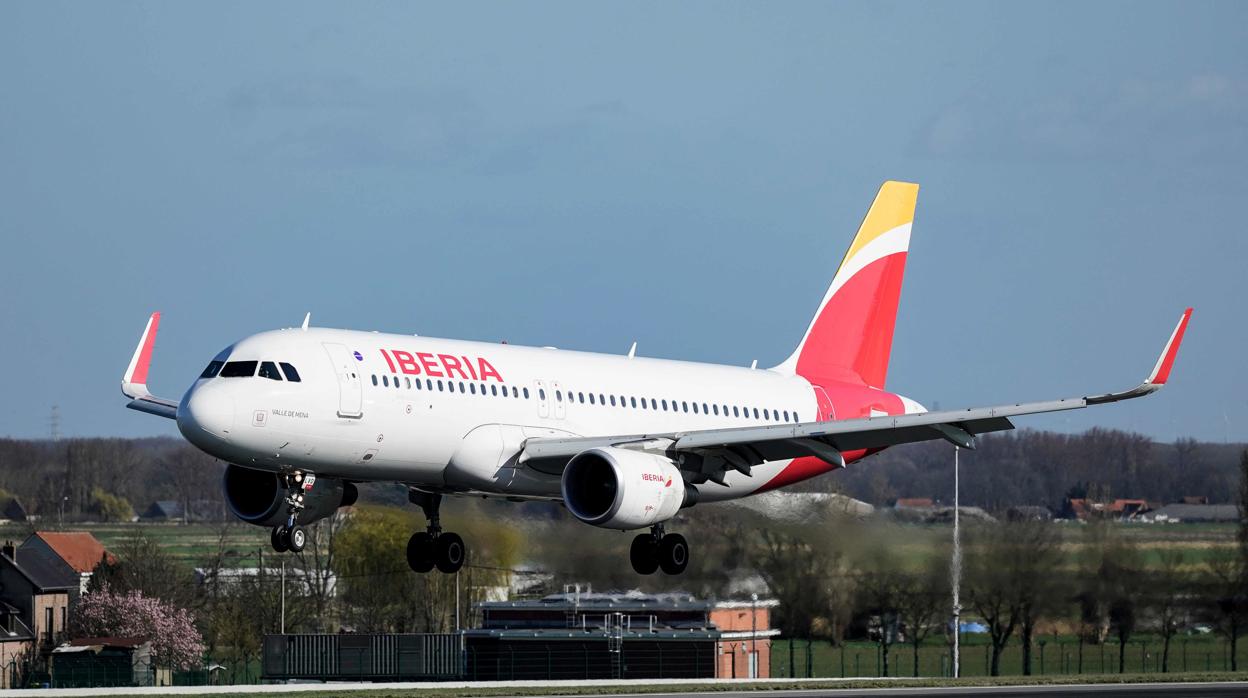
(448, 415)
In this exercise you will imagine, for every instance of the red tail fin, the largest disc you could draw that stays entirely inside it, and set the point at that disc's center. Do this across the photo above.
(851, 336)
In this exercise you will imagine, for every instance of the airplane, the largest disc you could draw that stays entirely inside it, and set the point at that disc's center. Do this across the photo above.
(302, 415)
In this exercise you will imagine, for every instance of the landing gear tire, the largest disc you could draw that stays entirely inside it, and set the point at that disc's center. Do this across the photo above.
(296, 539)
(644, 554)
(420, 552)
(673, 553)
(450, 552)
(278, 538)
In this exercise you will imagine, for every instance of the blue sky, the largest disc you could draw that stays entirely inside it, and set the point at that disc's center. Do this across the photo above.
(588, 174)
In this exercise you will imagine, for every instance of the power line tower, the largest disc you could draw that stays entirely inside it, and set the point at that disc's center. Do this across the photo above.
(54, 424)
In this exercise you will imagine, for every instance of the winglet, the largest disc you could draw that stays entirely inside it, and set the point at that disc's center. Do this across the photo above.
(1165, 362)
(134, 383)
(1161, 371)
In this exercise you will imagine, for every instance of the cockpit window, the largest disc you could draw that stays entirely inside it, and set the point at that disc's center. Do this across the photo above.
(239, 369)
(291, 374)
(268, 369)
(213, 369)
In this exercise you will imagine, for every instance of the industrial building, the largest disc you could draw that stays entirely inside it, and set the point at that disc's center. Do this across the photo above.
(573, 635)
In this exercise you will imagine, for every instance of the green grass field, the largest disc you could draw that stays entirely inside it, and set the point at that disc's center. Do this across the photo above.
(190, 544)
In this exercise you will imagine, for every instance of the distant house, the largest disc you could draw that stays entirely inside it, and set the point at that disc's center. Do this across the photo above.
(914, 503)
(1028, 513)
(77, 552)
(39, 591)
(172, 511)
(12, 510)
(1195, 513)
(1118, 510)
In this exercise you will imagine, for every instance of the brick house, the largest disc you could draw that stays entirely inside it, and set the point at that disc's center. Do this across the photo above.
(74, 552)
(40, 592)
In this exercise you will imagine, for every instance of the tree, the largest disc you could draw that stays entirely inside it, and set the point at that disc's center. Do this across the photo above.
(316, 565)
(1167, 598)
(111, 507)
(143, 565)
(922, 603)
(1009, 567)
(171, 630)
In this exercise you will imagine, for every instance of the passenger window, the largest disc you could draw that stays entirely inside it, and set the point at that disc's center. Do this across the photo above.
(396, 382)
(385, 381)
(472, 388)
(374, 379)
(439, 386)
(705, 410)
(417, 382)
(239, 369)
(429, 384)
(494, 390)
(291, 374)
(684, 406)
(526, 393)
(461, 386)
(581, 398)
(407, 382)
(734, 411)
(214, 367)
(786, 415)
(591, 399)
(633, 402)
(654, 405)
(695, 408)
(665, 405)
(541, 393)
(602, 400)
(559, 395)
(613, 401)
(715, 408)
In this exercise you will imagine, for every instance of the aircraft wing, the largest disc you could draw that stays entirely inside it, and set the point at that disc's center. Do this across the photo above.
(134, 382)
(712, 452)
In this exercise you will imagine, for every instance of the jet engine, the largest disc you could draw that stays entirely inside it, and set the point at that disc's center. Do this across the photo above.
(258, 497)
(623, 489)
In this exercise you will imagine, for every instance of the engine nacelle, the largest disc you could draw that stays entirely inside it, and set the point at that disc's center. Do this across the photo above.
(257, 497)
(619, 488)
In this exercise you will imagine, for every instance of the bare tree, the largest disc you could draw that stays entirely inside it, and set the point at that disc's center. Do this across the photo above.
(922, 604)
(1168, 598)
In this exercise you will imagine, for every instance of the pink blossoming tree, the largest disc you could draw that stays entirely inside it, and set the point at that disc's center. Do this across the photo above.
(171, 630)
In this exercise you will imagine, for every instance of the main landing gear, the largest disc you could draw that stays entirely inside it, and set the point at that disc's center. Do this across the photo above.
(433, 547)
(656, 549)
(291, 537)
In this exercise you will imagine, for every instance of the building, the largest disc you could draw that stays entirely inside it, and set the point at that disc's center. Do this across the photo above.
(17, 643)
(77, 552)
(39, 592)
(12, 510)
(171, 511)
(1117, 510)
(581, 635)
(1195, 513)
(97, 662)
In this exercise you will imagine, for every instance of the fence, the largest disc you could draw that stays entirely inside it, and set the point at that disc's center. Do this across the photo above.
(1049, 656)
(415, 656)
(492, 660)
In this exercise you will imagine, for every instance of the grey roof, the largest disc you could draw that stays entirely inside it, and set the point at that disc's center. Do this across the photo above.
(46, 574)
(1198, 512)
(631, 600)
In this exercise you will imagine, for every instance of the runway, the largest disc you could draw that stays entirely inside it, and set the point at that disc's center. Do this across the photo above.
(1099, 690)
(713, 688)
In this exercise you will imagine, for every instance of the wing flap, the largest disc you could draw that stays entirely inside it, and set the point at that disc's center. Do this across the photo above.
(827, 440)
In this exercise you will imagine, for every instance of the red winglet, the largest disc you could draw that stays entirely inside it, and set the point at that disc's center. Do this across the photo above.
(143, 355)
(1165, 362)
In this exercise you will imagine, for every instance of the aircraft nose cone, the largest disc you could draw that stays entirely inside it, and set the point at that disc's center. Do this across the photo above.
(206, 413)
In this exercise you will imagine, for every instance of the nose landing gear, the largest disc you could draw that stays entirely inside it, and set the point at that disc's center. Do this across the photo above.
(657, 549)
(434, 547)
(290, 536)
